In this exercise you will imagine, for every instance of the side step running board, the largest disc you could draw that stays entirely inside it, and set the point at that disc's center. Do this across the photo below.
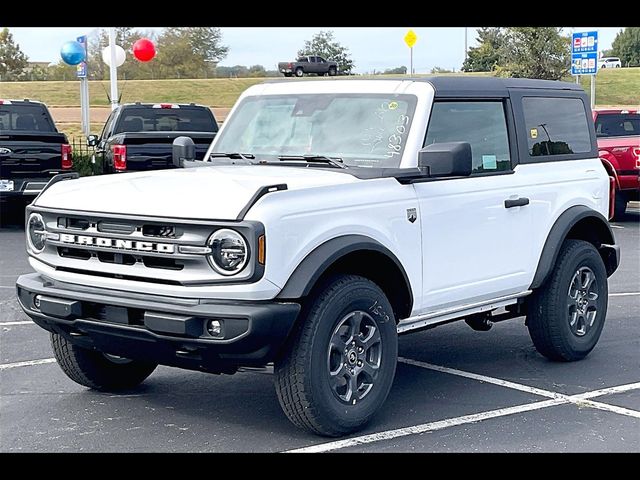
(461, 311)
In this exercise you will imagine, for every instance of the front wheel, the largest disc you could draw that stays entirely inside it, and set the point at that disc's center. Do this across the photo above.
(340, 361)
(98, 370)
(567, 314)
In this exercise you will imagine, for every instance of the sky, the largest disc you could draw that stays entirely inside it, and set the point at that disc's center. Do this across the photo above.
(372, 48)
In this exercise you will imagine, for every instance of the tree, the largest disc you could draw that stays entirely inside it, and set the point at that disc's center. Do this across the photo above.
(440, 70)
(12, 60)
(485, 56)
(534, 52)
(626, 45)
(325, 45)
(190, 52)
(396, 71)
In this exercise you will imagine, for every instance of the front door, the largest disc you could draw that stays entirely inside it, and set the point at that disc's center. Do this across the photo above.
(474, 247)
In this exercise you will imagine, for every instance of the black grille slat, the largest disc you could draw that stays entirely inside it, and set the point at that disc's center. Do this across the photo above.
(117, 228)
(77, 253)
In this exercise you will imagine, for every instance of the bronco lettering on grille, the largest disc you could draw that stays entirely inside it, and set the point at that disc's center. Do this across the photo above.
(117, 243)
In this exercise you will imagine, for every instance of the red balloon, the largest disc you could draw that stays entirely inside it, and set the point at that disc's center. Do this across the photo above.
(144, 50)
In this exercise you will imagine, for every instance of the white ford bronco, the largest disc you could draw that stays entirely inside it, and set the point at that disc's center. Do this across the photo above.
(327, 218)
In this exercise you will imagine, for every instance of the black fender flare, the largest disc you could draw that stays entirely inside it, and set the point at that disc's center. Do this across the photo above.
(558, 234)
(307, 273)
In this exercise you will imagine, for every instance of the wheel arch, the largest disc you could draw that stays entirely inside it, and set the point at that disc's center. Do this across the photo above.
(353, 254)
(609, 162)
(580, 223)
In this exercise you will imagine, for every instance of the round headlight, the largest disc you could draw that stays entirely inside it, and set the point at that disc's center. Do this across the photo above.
(229, 251)
(36, 232)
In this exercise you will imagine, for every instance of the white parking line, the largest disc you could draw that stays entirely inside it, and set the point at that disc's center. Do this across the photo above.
(581, 400)
(12, 288)
(6, 366)
(616, 226)
(426, 427)
(22, 322)
(628, 294)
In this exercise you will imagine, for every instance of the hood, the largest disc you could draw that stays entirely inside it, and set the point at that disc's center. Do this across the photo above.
(216, 192)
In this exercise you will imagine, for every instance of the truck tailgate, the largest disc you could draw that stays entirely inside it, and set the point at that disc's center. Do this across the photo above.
(153, 150)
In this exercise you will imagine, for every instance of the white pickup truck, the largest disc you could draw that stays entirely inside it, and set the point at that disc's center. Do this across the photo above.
(327, 218)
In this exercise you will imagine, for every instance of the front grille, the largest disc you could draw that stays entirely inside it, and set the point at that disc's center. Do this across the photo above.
(128, 248)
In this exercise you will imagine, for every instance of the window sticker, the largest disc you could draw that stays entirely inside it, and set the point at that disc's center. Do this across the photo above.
(534, 133)
(489, 162)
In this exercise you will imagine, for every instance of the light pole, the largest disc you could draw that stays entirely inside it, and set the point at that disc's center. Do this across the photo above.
(113, 68)
(465, 44)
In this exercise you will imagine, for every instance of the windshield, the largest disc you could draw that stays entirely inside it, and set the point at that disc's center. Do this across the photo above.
(184, 119)
(365, 130)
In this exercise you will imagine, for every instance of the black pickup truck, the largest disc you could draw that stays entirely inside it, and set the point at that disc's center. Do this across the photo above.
(139, 136)
(32, 150)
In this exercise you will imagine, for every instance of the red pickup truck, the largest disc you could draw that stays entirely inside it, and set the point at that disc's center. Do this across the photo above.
(618, 133)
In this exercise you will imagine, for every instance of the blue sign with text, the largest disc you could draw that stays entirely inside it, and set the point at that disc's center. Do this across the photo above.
(81, 68)
(584, 53)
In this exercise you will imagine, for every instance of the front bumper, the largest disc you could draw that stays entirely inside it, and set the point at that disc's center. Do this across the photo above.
(165, 330)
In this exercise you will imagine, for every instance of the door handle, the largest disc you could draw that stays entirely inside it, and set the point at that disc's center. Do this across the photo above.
(518, 202)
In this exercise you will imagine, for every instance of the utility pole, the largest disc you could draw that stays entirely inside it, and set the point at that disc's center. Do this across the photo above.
(113, 68)
(465, 44)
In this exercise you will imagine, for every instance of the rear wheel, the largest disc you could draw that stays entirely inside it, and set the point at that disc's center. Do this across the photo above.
(340, 362)
(332, 72)
(97, 370)
(567, 314)
(299, 72)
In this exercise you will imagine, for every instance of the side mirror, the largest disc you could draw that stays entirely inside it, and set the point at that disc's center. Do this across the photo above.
(445, 160)
(92, 140)
(184, 150)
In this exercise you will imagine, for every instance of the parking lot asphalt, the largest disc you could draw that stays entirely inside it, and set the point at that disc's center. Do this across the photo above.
(455, 390)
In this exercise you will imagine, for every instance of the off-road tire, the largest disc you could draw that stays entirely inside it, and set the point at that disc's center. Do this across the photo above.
(549, 312)
(302, 377)
(93, 369)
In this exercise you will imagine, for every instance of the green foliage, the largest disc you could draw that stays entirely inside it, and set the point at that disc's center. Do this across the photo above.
(485, 56)
(188, 52)
(12, 59)
(396, 71)
(324, 44)
(627, 46)
(531, 52)
(535, 52)
(440, 70)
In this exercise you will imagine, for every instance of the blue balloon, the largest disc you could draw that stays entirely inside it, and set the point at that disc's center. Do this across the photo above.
(72, 53)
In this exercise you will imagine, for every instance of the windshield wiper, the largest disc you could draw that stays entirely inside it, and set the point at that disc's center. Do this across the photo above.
(334, 161)
(232, 156)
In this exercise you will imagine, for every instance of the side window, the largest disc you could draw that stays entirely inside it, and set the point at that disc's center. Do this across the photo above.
(481, 124)
(555, 126)
(106, 130)
(320, 60)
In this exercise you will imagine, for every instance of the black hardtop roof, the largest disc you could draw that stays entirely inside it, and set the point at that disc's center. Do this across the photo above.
(471, 86)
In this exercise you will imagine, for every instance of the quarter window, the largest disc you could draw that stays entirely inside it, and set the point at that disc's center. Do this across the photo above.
(481, 124)
(555, 126)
